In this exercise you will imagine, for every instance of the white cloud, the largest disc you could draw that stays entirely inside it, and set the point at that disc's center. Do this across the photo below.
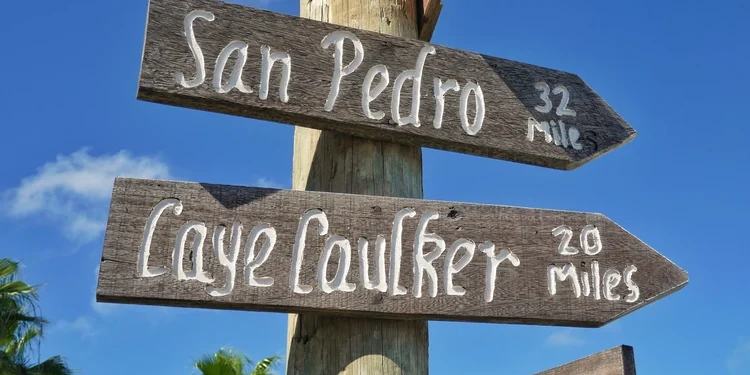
(268, 183)
(738, 361)
(73, 190)
(82, 326)
(564, 337)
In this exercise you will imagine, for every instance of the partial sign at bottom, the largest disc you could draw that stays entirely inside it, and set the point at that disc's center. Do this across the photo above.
(616, 361)
(244, 248)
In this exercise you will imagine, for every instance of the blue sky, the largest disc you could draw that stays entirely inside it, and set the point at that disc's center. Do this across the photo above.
(676, 71)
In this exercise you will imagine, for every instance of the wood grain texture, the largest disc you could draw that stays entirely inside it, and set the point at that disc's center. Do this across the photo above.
(616, 361)
(337, 162)
(508, 86)
(521, 295)
(428, 18)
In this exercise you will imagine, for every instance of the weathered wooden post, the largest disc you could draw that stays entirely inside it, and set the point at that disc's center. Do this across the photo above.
(335, 162)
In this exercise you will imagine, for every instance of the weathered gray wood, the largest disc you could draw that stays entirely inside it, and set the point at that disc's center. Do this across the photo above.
(508, 87)
(616, 361)
(337, 162)
(521, 292)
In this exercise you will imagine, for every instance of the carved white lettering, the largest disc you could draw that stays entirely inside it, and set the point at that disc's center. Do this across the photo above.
(380, 282)
(299, 247)
(450, 268)
(597, 280)
(544, 88)
(566, 136)
(416, 76)
(267, 61)
(588, 247)
(567, 234)
(252, 262)
(200, 66)
(342, 69)
(148, 234)
(228, 262)
(440, 90)
(476, 126)
(368, 94)
(345, 257)
(611, 279)
(396, 238)
(493, 261)
(562, 109)
(179, 252)
(567, 271)
(632, 287)
(586, 283)
(422, 261)
(339, 71)
(563, 134)
(543, 127)
(555, 133)
(591, 243)
(574, 135)
(235, 80)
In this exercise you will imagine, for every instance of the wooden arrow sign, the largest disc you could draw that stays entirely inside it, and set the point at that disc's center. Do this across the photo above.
(619, 360)
(236, 60)
(244, 248)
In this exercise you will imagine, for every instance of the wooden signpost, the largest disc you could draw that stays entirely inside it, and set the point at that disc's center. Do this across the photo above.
(374, 266)
(232, 59)
(244, 248)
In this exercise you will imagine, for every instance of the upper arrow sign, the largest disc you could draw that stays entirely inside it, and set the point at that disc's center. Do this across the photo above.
(229, 247)
(232, 59)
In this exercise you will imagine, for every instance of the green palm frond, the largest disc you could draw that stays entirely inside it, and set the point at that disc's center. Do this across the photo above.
(8, 365)
(10, 286)
(20, 325)
(13, 288)
(11, 365)
(15, 295)
(232, 362)
(17, 307)
(223, 362)
(12, 323)
(264, 366)
(53, 366)
(19, 344)
(8, 268)
(20, 318)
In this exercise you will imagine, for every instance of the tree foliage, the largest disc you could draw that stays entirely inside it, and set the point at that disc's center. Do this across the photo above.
(231, 362)
(20, 326)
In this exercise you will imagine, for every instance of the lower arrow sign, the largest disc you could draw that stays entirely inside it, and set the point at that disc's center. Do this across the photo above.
(245, 248)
